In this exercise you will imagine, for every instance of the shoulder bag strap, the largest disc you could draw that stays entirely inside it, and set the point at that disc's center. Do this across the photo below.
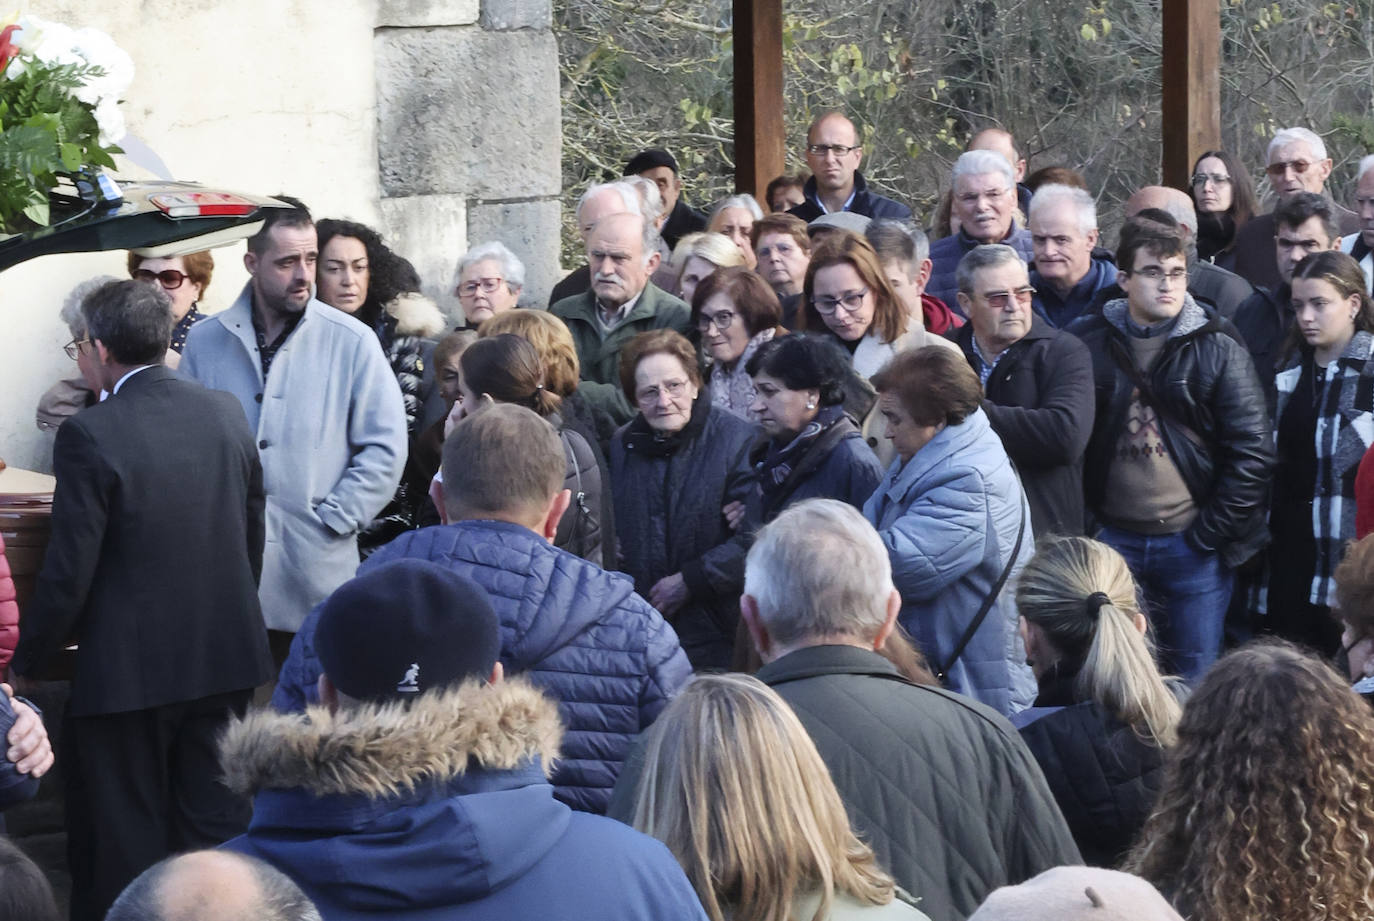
(988, 602)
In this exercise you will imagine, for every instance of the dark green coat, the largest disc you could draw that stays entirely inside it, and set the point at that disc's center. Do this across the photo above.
(599, 352)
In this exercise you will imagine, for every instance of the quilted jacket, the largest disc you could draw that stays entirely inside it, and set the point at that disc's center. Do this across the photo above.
(9, 612)
(941, 786)
(576, 631)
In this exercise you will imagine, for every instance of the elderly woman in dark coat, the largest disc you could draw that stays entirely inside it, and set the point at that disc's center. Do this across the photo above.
(813, 448)
(674, 468)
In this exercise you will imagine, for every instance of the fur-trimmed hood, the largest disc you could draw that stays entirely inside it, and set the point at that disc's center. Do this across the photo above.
(384, 750)
(416, 315)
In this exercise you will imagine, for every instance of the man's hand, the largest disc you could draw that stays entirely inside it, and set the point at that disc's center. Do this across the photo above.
(669, 594)
(734, 514)
(28, 745)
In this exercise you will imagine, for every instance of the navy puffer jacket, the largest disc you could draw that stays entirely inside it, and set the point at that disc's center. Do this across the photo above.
(576, 631)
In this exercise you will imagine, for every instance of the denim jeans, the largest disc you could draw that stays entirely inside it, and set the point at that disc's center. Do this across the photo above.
(1186, 593)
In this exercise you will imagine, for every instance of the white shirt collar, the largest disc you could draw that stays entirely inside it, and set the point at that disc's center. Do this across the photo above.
(128, 374)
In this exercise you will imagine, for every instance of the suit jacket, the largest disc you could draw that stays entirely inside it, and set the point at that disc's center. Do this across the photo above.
(156, 549)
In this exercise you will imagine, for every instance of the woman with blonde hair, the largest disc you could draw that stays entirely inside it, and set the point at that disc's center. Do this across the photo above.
(1266, 809)
(1103, 716)
(735, 788)
(696, 256)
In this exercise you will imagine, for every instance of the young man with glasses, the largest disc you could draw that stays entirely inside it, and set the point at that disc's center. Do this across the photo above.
(833, 152)
(1297, 163)
(1177, 467)
(1038, 383)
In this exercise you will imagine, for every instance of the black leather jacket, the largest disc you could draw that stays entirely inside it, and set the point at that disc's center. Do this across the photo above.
(1212, 415)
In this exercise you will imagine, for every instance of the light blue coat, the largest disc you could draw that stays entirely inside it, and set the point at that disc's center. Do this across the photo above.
(949, 519)
(331, 431)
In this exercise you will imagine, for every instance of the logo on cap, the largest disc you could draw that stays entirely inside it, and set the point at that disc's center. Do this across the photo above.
(410, 684)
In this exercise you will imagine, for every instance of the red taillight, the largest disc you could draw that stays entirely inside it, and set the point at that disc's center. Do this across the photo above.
(202, 204)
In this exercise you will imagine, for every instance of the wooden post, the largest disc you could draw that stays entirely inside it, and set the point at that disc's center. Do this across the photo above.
(759, 133)
(1192, 85)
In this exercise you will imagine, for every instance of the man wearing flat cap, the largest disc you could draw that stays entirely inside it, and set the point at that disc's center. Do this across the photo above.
(419, 787)
(659, 167)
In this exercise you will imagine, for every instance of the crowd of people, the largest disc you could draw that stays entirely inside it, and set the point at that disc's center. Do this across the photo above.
(793, 565)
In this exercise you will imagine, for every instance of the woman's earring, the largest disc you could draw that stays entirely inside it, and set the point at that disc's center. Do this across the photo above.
(810, 404)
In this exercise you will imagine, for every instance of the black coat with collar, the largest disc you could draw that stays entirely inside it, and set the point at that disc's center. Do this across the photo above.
(1104, 775)
(1212, 417)
(939, 785)
(1040, 401)
(156, 550)
(869, 204)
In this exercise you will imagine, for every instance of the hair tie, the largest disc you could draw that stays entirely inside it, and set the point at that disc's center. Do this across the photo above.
(1095, 601)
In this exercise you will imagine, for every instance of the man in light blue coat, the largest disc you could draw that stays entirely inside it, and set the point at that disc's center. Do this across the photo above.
(956, 525)
(326, 409)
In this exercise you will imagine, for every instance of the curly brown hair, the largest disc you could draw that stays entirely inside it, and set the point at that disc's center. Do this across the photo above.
(1267, 809)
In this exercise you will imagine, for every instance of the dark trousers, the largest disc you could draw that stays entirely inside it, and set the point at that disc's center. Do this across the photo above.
(140, 786)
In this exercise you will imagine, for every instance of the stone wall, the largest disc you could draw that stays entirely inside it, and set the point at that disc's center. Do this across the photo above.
(434, 120)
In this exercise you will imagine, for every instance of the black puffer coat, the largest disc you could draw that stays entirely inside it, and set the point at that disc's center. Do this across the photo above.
(668, 494)
(1103, 774)
(1212, 417)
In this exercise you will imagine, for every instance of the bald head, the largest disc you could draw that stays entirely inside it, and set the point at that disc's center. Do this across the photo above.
(833, 153)
(1175, 203)
(212, 886)
(1000, 141)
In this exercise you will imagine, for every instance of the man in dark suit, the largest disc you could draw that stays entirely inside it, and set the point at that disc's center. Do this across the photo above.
(156, 550)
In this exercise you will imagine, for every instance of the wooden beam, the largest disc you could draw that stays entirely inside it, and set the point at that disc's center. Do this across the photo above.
(1192, 85)
(759, 133)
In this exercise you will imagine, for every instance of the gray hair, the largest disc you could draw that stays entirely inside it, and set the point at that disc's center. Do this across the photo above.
(987, 256)
(981, 162)
(819, 570)
(1181, 209)
(898, 241)
(279, 898)
(1366, 164)
(1289, 136)
(743, 200)
(511, 266)
(1082, 202)
(629, 196)
(650, 199)
(71, 304)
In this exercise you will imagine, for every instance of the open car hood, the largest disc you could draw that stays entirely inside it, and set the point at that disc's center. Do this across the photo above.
(166, 218)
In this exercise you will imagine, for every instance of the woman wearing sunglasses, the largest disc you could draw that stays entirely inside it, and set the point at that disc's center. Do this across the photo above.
(185, 279)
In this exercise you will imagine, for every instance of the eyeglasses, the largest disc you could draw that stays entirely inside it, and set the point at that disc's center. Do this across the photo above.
(650, 395)
(488, 286)
(1201, 179)
(73, 348)
(1278, 169)
(821, 150)
(1155, 273)
(1002, 299)
(720, 321)
(852, 302)
(170, 279)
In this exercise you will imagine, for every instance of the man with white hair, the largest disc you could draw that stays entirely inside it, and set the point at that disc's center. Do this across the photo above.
(622, 254)
(1361, 245)
(941, 786)
(1002, 141)
(1297, 163)
(630, 195)
(1068, 268)
(985, 203)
